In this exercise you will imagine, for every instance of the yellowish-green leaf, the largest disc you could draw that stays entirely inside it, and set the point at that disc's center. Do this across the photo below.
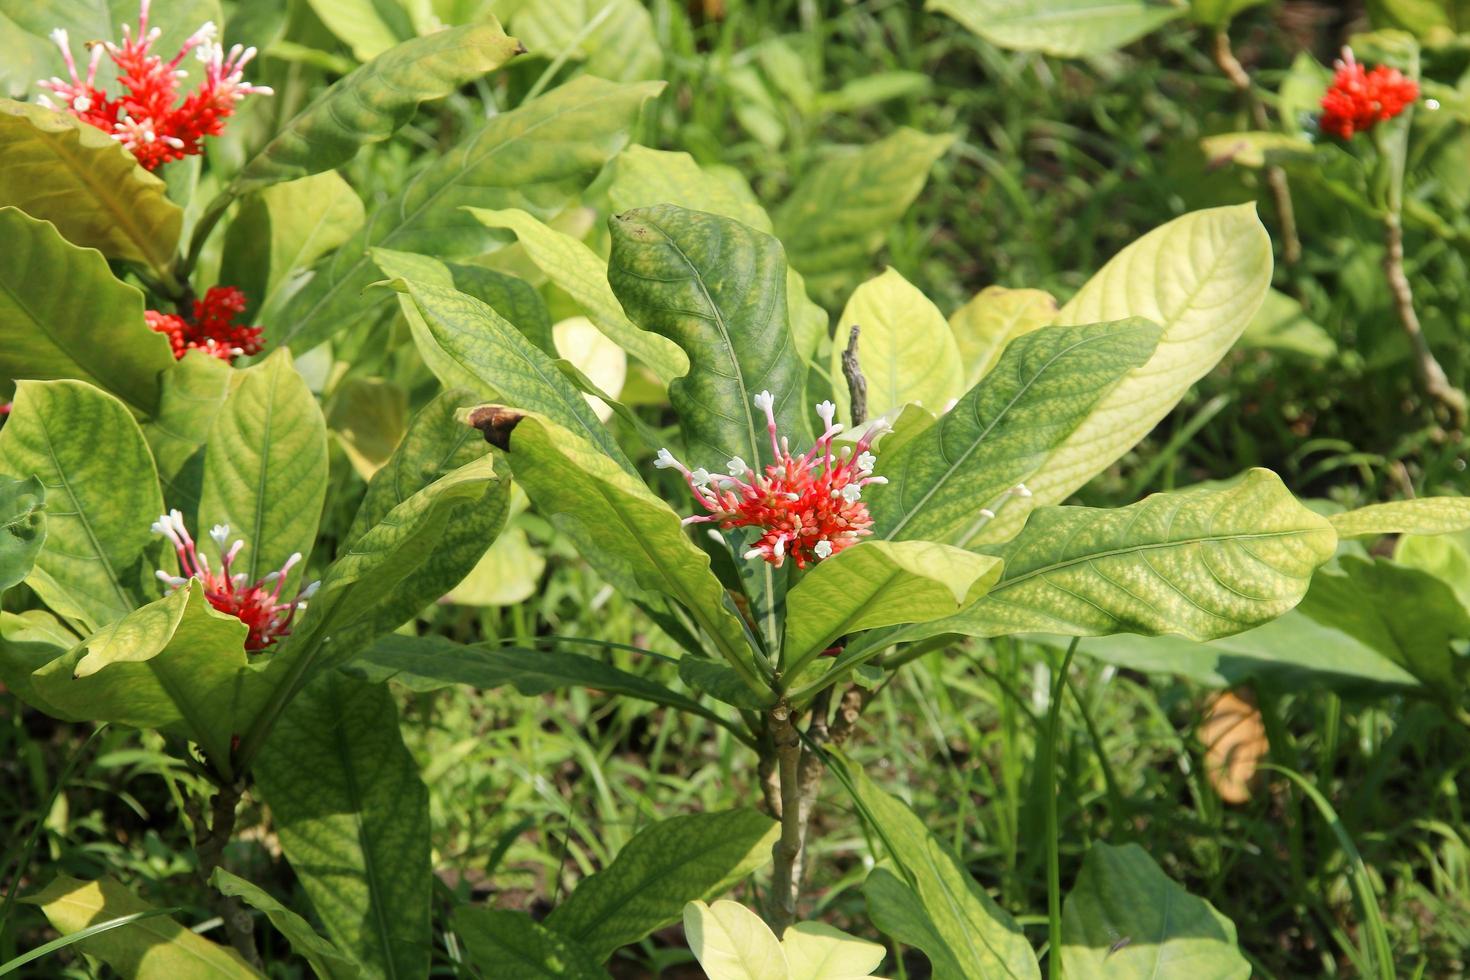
(881, 583)
(643, 177)
(1202, 563)
(733, 943)
(613, 38)
(1427, 515)
(991, 320)
(578, 270)
(1066, 28)
(599, 360)
(907, 350)
(59, 169)
(22, 527)
(155, 948)
(1254, 150)
(1282, 325)
(817, 951)
(368, 28)
(368, 416)
(91, 330)
(1201, 277)
(1121, 894)
(95, 565)
(667, 865)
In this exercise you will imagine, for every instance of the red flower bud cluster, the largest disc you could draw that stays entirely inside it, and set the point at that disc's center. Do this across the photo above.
(1358, 100)
(210, 329)
(148, 118)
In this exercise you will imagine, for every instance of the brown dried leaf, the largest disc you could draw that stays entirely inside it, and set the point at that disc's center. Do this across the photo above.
(1234, 739)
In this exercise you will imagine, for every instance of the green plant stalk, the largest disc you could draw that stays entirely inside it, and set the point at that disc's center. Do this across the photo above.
(786, 852)
(1053, 850)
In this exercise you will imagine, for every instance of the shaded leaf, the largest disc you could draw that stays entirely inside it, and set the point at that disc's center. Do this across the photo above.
(839, 214)
(665, 865)
(513, 946)
(932, 902)
(1065, 28)
(534, 157)
(92, 330)
(353, 819)
(59, 169)
(326, 960)
(1121, 894)
(192, 395)
(376, 100)
(368, 416)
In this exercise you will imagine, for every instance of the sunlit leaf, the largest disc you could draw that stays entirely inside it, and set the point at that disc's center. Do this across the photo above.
(1066, 28)
(613, 38)
(733, 943)
(92, 330)
(1426, 515)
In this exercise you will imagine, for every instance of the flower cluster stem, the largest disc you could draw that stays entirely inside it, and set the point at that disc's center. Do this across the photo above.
(1232, 69)
(787, 852)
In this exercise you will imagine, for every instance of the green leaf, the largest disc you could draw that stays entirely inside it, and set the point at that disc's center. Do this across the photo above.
(22, 527)
(643, 177)
(353, 819)
(1282, 325)
(1445, 556)
(630, 536)
(1427, 515)
(94, 566)
(722, 683)
(1125, 919)
(509, 572)
(154, 947)
(29, 641)
(906, 349)
(932, 902)
(839, 214)
(665, 865)
(1065, 28)
(613, 38)
(28, 59)
(193, 393)
(1256, 149)
(943, 480)
(535, 157)
(59, 169)
(431, 663)
(265, 467)
(500, 360)
(1291, 654)
(513, 946)
(435, 443)
(368, 417)
(326, 960)
(280, 232)
(175, 664)
(880, 583)
(1405, 614)
(583, 275)
(516, 300)
(991, 320)
(732, 943)
(377, 100)
(1202, 563)
(93, 330)
(718, 289)
(1201, 278)
(1219, 13)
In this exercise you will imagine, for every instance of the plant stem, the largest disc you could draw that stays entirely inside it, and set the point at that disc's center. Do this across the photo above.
(1231, 68)
(857, 384)
(787, 851)
(210, 849)
(1053, 853)
(1431, 375)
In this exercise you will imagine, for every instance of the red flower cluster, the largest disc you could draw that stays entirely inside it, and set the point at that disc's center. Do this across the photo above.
(1358, 100)
(147, 118)
(808, 507)
(210, 329)
(257, 605)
